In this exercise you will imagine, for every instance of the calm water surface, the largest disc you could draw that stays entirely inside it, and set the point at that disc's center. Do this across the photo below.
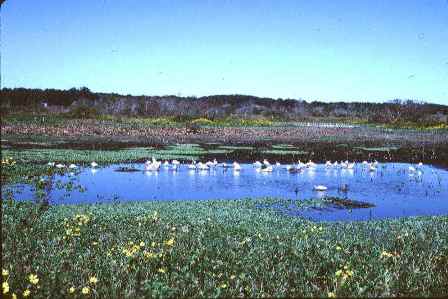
(393, 190)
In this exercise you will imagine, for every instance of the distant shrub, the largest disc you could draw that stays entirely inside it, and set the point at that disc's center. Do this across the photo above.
(83, 112)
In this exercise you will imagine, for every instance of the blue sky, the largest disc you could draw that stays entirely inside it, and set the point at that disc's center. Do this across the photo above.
(330, 50)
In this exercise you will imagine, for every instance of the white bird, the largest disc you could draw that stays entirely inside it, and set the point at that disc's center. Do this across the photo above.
(215, 162)
(266, 169)
(310, 164)
(277, 164)
(236, 166)
(328, 164)
(166, 163)
(152, 166)
(210, 164)
(175, 162)
(51, 164)
(202, 166)
(94, 164)
(257, 164)
(411, 169)
(266, 162)
(420, 165)
(320, 188)
(60, 165)
(372, 167)
(192, 165)
(335, 164)
(365, 163)
(351, 165)
(72, 166)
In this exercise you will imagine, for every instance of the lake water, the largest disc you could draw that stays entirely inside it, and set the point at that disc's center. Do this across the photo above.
(392, 188)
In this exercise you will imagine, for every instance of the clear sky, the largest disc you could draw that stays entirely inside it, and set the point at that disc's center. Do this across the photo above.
(360, 50)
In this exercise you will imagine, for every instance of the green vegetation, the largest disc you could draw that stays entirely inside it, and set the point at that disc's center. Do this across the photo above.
(216, 248)
(378, 149)
(284, 152)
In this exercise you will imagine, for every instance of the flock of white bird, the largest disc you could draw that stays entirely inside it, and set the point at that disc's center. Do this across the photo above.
(265, 166)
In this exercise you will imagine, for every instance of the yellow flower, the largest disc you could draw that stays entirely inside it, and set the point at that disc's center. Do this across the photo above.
(170, 242)
(33, 278)
(162, 270)
(223, 286)
(142, 244)
(338, 248)
(338, 273)
(13, 296)
(331, 295)
(93, 279)
(5, 272)
(148, 254)
(85, 290)
(5, 287)
(71, 290)
(26, 293)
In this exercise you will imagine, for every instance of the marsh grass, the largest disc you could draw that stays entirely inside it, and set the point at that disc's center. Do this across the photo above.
(217, 248)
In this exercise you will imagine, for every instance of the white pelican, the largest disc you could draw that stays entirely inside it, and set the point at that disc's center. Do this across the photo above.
(300, 164)
(310, 164)
(192, 165)
(175, 162)
(166, 163)
(365, 163)
(411, 169)
(202, 166)
(236, 166)
(257, 164)
(335, 164)
(60, 165)
(210, 164)
(351, 165)
(420, 165)
(320, 188)
(152, 166)
(266, 162)
(72, 166)
(215, 162)
(94, 164)
(266, 169)
(277, 164)
(328, 164)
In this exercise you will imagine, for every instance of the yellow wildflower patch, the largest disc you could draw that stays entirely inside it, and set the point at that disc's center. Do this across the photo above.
(5, 287)
(85, 290)
(33, 279)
